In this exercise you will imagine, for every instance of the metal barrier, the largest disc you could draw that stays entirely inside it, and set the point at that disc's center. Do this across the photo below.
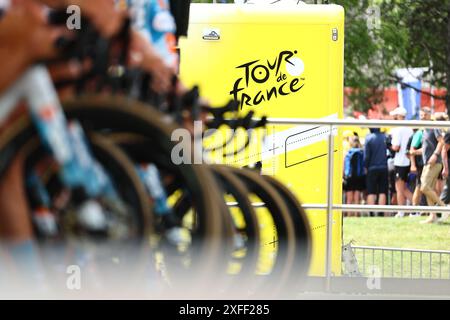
(403, 263)
(329, 206)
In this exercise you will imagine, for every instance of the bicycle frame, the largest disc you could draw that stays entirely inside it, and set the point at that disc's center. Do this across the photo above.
(66, 142)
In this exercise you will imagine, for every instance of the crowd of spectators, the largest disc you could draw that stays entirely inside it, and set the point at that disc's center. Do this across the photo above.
(401, 166)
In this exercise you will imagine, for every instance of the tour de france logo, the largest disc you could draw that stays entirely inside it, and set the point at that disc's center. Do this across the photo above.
(251, 89)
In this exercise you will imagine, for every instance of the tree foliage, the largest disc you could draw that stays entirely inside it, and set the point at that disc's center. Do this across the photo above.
(383, 35)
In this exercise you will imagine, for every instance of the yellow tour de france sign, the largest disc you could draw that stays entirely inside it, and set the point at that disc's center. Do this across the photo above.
(279, 61)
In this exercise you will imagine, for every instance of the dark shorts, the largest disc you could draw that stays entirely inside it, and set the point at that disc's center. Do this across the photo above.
(402, 173)
(355, 183)
(377, 181)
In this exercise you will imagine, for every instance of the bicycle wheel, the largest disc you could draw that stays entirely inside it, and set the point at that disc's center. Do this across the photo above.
(107, 258)
(302, 232)
(115, 114)
(245, 224)
(125, 115)
(245, 230)
(277, 279)
(121, 248)
(176, 260)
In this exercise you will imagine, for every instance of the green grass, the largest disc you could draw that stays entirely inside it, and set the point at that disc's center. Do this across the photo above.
(406, 233)
(397, 233)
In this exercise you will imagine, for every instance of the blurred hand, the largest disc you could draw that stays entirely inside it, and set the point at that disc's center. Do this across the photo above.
(144, 56)
(413, 169)
(102, 13)
(24, 29)
(445, 172)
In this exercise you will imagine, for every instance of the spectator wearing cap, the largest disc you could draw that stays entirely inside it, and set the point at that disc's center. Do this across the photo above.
(400, 137)
(415, 156)
(432, 148)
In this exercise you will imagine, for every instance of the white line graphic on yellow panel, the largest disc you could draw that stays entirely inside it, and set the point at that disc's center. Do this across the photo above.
(292, 139)
(264, 147)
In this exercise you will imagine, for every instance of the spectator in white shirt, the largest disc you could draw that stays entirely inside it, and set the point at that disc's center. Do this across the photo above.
(400, 137)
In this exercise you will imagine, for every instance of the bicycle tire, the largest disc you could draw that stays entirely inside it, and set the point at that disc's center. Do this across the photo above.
(134, 251)
(230, 184)
(120, 167)
(134, 146)
(278, 279)
(237, 189)
(125, 115)
(302, 232)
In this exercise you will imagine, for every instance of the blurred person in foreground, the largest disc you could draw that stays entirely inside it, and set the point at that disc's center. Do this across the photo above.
(400, 137)
(27, 37)
(375, 162)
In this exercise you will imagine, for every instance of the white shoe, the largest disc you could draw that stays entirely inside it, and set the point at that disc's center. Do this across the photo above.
(400, 214)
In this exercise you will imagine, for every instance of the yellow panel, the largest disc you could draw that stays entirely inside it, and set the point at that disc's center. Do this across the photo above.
(250, 52)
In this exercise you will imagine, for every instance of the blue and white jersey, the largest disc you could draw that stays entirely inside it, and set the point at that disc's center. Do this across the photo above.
(155, 21)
